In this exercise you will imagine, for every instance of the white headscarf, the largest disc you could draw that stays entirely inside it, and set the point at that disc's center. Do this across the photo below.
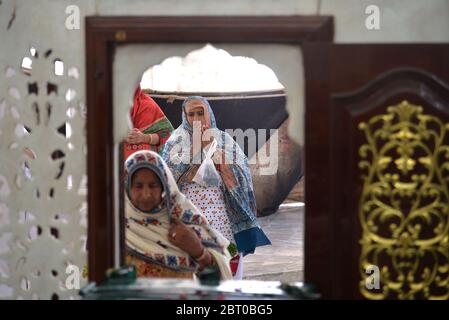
(147, 233)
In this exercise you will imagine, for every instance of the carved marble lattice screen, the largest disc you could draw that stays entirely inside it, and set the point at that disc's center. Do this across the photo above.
(42, 174)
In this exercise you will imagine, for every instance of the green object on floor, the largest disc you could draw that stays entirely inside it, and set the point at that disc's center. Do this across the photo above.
(122, 276)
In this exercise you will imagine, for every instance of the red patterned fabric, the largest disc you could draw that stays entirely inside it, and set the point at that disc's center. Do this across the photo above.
(148, 118)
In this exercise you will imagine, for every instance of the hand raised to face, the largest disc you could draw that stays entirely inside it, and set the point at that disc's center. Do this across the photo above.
(205, 139)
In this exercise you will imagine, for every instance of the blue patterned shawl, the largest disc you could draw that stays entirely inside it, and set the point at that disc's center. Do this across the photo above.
(239, 197)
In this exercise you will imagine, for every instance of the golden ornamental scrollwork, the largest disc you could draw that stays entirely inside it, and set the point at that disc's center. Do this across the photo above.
(404, 206)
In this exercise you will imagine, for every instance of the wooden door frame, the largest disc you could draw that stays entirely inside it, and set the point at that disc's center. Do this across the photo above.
(102, 35)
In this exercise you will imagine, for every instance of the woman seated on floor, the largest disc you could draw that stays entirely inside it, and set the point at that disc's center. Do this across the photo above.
(166, 234)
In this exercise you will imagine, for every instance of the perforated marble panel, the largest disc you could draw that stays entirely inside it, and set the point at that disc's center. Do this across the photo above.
(42, 182)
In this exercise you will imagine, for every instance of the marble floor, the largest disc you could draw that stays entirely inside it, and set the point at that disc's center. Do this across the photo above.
(284, 259)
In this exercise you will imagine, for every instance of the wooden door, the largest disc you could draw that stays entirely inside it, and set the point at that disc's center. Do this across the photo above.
(377, 170)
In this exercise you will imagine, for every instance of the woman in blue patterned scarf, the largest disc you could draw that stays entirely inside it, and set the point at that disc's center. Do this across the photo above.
(229, 205)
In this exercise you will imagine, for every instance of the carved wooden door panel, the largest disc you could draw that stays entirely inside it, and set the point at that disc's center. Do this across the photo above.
(377, 171)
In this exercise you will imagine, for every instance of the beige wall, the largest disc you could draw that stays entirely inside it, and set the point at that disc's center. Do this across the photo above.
(400, 20)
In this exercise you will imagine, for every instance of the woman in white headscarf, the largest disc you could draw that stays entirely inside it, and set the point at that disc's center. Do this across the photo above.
(166, 235)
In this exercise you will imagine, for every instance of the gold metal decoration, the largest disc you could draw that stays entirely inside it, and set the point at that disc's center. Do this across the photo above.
(404, 206)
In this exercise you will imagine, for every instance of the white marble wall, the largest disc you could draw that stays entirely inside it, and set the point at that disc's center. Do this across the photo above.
(43, 223)
(401, 21)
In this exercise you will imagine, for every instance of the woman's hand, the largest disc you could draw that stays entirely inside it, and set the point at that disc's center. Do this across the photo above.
(205, 143)
(135, 136)
(186, 239)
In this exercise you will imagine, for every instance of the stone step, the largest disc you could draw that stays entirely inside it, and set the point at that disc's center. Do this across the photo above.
(289, 276)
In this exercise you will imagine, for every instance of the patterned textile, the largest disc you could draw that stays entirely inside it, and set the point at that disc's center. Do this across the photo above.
(211, 202)
(148, 118)
(147, 232)
(153, 270)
